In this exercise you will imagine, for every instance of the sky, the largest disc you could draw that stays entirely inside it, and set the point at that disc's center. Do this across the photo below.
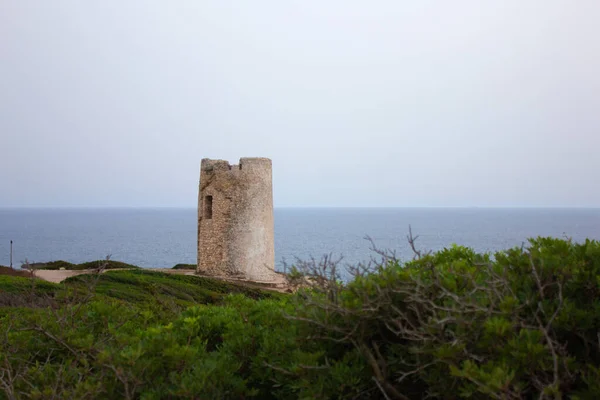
(358, 103)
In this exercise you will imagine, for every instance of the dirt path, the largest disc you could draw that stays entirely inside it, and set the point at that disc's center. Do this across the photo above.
(57, 276)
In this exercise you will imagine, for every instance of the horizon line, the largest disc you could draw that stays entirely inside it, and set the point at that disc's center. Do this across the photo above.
(313, 207)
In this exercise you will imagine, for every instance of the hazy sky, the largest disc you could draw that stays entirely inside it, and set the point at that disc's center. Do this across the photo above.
(358, 103)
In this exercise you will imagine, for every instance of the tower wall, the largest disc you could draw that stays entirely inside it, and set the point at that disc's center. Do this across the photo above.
(235, 219)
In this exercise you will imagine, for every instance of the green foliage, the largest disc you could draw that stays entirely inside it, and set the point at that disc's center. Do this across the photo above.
(19, 284)
(58, 264)
(184, 266)
(522, 323)
(17, 291)
(106, 264)
(513, 324)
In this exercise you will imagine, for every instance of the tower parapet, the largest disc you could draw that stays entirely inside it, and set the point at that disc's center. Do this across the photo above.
(235, 219)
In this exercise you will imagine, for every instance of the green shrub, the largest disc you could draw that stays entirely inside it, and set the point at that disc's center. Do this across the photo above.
(106, 264)
(55, 265)
(184, 266)
(514, 324)
(521, 323)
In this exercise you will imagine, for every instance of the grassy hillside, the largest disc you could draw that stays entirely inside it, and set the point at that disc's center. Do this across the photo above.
(13, 272)
(17, 291)
(140, 287)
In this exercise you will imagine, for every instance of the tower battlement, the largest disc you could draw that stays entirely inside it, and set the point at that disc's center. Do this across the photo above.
(209, 165)
(235, 219)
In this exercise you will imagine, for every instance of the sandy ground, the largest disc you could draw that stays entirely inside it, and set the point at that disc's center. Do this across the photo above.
(57, 276)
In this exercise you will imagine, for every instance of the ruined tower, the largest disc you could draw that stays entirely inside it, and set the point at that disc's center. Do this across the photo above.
(235, 219)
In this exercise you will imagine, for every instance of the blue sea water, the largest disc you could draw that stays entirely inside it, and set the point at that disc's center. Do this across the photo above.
(161, 238)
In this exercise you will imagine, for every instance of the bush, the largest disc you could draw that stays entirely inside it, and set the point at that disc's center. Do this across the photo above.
(521, 323)
(54, 265)
(517, 324)
(106, 264)
(184, 266)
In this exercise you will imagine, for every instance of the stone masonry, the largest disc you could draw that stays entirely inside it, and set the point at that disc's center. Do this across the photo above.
(235, 220)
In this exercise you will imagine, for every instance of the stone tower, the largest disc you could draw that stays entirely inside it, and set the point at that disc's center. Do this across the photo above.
(235, 219)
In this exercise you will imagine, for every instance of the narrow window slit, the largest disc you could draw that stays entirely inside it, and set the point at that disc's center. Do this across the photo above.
(208, 207)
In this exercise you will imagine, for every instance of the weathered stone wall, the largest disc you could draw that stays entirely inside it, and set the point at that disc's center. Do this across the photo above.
(235, 228)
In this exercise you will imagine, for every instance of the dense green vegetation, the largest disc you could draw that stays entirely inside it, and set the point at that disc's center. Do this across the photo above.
(184, 266)
(522, 323)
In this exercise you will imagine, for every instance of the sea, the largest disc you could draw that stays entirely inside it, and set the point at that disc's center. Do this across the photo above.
(163, 237)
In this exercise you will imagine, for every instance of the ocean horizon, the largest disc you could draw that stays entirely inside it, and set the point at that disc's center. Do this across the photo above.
(160, 237)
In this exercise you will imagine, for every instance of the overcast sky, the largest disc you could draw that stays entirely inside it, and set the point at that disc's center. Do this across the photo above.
(358, 103)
